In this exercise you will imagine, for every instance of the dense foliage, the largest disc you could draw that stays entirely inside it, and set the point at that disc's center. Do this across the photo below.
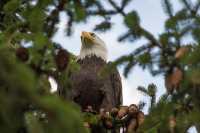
(29, 57)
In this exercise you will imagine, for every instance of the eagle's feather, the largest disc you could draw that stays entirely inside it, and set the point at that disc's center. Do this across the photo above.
(89, 86)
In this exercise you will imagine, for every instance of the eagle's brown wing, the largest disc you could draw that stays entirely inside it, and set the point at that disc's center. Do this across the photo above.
(116, 86)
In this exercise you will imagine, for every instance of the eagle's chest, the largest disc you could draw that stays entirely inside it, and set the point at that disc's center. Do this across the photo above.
(89, 73)
(87, 83)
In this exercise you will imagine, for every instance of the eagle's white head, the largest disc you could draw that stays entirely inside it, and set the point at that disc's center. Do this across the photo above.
(92, 45)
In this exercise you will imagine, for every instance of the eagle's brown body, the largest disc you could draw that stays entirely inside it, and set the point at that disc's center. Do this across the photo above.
(90, 88)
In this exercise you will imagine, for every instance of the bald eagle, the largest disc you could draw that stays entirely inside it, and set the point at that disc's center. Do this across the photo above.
(89, 87)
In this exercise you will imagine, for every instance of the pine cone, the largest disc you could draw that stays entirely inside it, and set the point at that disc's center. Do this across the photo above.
(133, 110)
(122, 111)
(22, 54)
(140, 118)
(62, 59)
(173, 79)
(181, 52)
(132, 126)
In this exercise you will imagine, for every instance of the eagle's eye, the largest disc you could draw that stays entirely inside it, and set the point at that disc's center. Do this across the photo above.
(92, 34)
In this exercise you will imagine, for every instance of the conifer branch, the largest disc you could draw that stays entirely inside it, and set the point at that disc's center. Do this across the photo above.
(118, 9)
(187, 5)
(150, 37)
(168, 8)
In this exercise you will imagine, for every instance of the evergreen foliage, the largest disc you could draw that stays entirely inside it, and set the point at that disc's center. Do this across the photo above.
(29, 57)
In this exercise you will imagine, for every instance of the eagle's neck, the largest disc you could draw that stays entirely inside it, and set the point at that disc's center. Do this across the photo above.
(96, 50)
(92, 61)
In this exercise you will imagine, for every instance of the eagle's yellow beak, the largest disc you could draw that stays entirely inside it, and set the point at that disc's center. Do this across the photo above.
(87, 37)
